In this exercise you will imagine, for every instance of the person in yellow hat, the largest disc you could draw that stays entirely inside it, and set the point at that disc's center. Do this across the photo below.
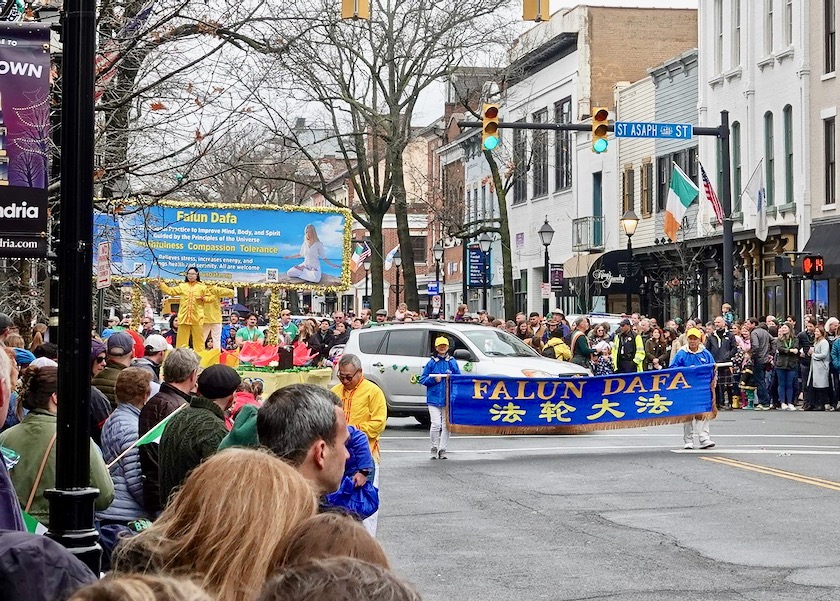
(692, 355)
(439, 367)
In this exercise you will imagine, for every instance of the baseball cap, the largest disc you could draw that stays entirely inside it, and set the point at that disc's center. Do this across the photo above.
(120, 343)
(694, 333)
(218, 382)
(156, 343)
(626, 322)
(382, 312)
(23, 357)
(441, 341)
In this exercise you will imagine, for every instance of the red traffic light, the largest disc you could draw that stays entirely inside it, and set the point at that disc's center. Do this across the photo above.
(813, 265)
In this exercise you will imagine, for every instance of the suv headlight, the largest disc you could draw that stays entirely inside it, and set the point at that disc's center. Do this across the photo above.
(537, 373)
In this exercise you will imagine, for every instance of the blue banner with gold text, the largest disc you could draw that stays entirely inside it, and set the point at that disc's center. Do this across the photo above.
(504, 405)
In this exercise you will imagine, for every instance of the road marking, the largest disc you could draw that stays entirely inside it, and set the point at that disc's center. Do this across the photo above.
(771, 471)
(607, 435)
(716, 451)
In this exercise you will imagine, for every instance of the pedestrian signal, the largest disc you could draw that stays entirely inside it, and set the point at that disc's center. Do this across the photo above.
(600, 123)
(490, 126)
(813, 265)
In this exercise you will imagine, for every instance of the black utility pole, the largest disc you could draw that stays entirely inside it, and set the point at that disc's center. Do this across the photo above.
(72, 500)
(726, 205)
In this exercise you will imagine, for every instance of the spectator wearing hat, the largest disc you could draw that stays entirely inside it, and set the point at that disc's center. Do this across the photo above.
(692, 355)
(381, 318)
(194, 433)
(439, 367)
(100, 406)
(154, 352)
(120, 352)
(6, 327)
(628, 350)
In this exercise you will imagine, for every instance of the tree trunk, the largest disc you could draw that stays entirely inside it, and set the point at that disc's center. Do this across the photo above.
(409, 286)
(377, 298)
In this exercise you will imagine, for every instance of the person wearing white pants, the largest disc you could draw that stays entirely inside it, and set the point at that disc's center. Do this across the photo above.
(434, 376)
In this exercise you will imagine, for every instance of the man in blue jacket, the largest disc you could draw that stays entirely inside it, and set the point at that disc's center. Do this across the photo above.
(693, 355)
(439, 367)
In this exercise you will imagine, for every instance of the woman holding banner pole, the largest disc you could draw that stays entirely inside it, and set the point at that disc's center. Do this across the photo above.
(692, 355)
(192, 294)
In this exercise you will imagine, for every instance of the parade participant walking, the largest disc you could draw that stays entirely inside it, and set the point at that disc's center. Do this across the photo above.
(191, 293)
(434, 376)
(120, 352)
(180, 374)
(628, 350)
(126, 515)
(212, 307)
(34, 440)
(693, 355)
(195, 432)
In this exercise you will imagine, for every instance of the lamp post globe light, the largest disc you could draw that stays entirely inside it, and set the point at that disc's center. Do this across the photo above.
(397, 263)
(437, 253)
(366, 265)
(629, 221)
(546, 234)
(485, 241)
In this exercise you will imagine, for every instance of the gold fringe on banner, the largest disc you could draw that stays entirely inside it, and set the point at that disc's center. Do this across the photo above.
(273, 316)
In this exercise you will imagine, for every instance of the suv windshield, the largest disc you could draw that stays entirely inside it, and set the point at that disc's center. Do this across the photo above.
(496, 343)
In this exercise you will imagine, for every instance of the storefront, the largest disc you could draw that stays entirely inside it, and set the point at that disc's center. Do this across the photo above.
(822, 295)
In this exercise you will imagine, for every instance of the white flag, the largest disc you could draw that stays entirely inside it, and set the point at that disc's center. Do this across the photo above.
(757, 195)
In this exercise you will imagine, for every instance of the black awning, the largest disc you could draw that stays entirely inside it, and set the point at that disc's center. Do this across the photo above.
(825, 241)
(613, 273)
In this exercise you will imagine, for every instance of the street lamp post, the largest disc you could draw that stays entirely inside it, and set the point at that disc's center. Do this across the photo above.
(629, 221)
(546, 234)
(437, 253)
(366, 265)
(484, 243)
(397, 263)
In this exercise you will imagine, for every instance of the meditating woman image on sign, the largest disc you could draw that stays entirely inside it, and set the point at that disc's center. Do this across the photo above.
(312, 252)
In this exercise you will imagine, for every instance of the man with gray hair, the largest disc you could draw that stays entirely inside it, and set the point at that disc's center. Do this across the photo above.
(180, 373)
(365, 409)
(304, 425)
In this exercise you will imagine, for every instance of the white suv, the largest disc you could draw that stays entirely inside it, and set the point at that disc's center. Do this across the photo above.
(393, 356)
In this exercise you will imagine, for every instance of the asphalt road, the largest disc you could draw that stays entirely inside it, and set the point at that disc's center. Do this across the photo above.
(622, 514)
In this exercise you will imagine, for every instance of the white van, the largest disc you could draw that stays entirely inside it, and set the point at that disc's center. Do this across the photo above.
(393, 356)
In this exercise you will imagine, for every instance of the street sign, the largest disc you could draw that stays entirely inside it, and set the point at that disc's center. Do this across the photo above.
(545, 290)
(432, 288)
(436, 302)
(478, 270)
(630, 129)
(103, 265)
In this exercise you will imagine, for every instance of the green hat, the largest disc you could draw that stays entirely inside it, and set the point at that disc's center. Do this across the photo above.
(244, 431)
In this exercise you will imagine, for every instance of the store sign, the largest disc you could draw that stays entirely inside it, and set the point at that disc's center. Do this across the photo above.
(605, 279)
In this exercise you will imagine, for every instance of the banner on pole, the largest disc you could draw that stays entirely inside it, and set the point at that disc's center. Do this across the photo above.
(503, 405)
(24, 138)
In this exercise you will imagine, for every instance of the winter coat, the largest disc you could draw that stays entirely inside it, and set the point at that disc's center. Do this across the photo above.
(722, 346)
(787, 353)
(655, 350)
(360, 455)
(820, 361)
(555, 348)
(189, 438)
(106, 381)
(240, 399)
(148, 365)
(36, 568)
(835, 354)
(762, 346)
(167, 400)
(119, 433)
(638, 355)
(100, 409)
(10, 516)
(806, 341)
(436, 391)
(30, 439)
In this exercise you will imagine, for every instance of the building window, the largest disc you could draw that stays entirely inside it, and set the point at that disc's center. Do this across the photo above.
(829, 44)
(788, 23)
(768, 27)
(788, 125)
(830, 161)
(736, 33)
(520, 166)
(736, 167)
(647, 188)
(718, 36)
(663, 171)
(563, 146)
(693, 167)
(418, 246)
(540, 158)
(769, 159)
(520, 292)
(628, 183)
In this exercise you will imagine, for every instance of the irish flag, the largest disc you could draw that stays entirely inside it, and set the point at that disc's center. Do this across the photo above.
(153, 435)
(681, 194)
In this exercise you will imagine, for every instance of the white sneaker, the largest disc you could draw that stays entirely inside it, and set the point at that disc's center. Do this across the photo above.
(791, 407)
(688, 446)
(707, 444)
(785, 407)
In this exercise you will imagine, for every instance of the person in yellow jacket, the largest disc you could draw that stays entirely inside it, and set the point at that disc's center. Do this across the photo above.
(556, 348)
(628, 350)
(192, 294)
(213, 314)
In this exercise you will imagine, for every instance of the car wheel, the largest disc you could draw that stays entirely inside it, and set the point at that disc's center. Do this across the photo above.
(424, 420)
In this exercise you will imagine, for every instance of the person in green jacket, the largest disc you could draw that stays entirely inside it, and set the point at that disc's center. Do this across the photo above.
(34, 438)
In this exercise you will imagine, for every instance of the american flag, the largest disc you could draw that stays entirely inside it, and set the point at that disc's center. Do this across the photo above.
(711, 196)
(361, 253)
(110, 55)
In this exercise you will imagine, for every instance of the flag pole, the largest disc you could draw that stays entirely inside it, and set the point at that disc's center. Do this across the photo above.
(134, 444)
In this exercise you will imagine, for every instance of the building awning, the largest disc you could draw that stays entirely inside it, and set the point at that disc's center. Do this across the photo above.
(578, 266)
(824, 241)
(607, 275)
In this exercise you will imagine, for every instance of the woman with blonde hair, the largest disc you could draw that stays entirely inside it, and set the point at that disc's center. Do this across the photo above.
(224, 527)
(38, 331)
(141, 588)
(312, 252)
(329, 535)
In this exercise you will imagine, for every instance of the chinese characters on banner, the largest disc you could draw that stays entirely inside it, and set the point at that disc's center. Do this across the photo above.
(523, 405)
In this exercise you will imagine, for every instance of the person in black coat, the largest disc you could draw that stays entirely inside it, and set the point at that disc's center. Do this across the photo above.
(321, 341)
(721, 343)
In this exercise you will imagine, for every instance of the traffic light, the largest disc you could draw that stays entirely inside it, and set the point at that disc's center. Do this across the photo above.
(490, 126)
(600, 122)
(355, 9)
(813, 265)
(535, 10)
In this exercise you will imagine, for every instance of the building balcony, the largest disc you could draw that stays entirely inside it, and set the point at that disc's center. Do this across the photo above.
(588, 234)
